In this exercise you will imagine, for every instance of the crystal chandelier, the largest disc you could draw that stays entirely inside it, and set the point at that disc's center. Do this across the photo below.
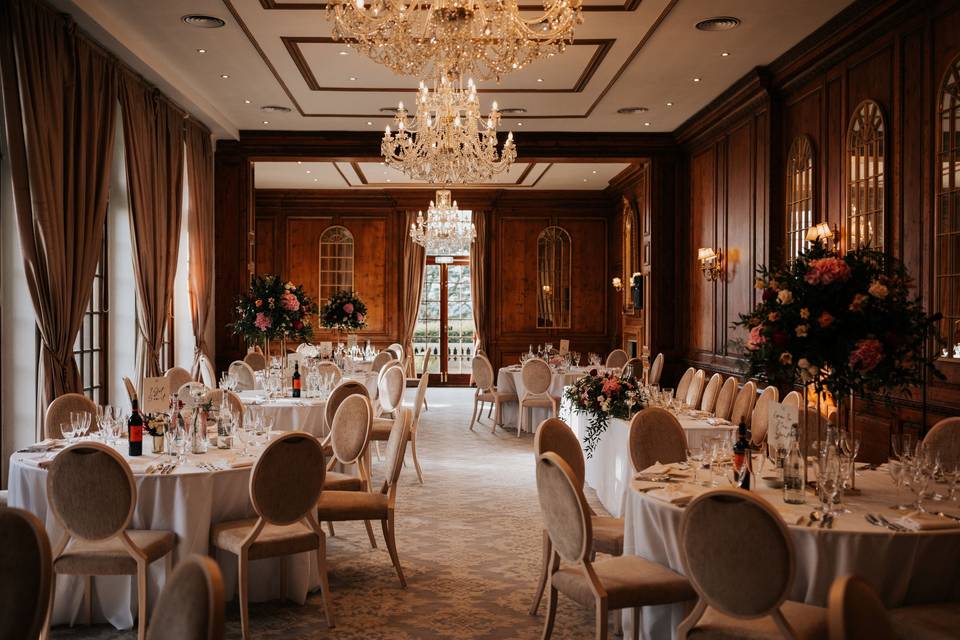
(448, 140)
(446, 231)
(486, 37)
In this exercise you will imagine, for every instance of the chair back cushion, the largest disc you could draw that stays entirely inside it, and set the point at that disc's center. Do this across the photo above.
(743, 405)
(656, 369)
(380, 360)
(854, 610)
(536, 376)
(25, 574)
(482, 372)
(191, 605)
(709, 400)
(340, 392)
(178, 376)
(397, 445)
(684, 384)
(243, 372)
(287, 478)
(256, 360)
(656, 436)
(944, 438)
(90, 490)
(728, 392)
(59, 411)
(390, 387)
(721, 527)
(617, 358)
(554, 435)
(350, 428)
(565, 512)
(695, 390)
(792, 399)
(327, 368)
(761, 414)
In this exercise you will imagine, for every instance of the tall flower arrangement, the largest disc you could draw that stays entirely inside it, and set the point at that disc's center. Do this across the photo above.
(273, 309)
(845, 323)
(603, 396)
(344, 311)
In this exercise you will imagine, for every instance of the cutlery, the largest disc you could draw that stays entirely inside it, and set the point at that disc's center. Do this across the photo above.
(947, 515)
(889, 525)
(814, 517)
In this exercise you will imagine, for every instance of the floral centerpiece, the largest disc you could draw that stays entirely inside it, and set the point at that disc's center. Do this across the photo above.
(604, 396)
(344, 311)
(273, 309)
(847, 324)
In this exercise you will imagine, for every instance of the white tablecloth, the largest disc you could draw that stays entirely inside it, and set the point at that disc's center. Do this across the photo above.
(188, 502)
(904, 568)
(608, 470)
(291, 414)
(510, 380)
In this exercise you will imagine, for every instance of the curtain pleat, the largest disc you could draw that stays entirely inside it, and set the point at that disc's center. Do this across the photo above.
(478, 285)
(414, 265)
(200, 193)
(60, 97)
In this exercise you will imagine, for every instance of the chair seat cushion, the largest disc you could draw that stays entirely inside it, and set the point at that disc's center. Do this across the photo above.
(273, 540)
(493, 395)
(607, 535)
(336, 481)
(927, 621)
(630, 581)
(351, 505)
(539, 401)
(806, 620)
(110, 557)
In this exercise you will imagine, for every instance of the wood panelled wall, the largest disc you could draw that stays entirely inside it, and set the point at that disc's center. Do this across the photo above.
(734, 157)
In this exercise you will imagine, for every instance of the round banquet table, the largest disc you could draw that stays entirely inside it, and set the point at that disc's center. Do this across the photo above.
(188, 501)
(510, 380)
(905, 568)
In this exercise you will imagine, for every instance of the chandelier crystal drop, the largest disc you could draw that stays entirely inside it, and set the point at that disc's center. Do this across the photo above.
(488, 38)
(446, 231)
(448, 141)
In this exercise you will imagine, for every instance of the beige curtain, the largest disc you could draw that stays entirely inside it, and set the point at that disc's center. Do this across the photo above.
(200, 194)
(414, 264)
(153, 130)
(60, 98)
(478, 282)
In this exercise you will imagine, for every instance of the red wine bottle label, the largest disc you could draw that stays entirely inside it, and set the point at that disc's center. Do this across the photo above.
(136, 433)
(296, 383)
(737, 461)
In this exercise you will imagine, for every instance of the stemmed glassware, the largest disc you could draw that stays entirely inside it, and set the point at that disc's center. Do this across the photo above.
(827, 467)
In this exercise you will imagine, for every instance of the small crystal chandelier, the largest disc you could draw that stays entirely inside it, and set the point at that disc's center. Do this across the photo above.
(486, 37)
(446, 231)
(448, 140)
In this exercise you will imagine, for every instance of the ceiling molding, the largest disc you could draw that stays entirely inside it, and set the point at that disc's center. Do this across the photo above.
(273, 5)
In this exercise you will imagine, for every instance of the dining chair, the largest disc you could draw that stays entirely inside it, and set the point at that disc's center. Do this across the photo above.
(346, 506)
(680, 392)
(425, 372)
(728, 392)
(397, 349)
(190, 607)
(243, 373)
(216, 397)
(328, 368)
(131, 389)
(418, 404)
(737, 598)
(554, 435)
(380, 361)
(208, 375)
(187, 388)
(656, 370)
(620, 582)
(177, 377)
(656, 436)
(537, 378)
(343, 390)
(285, 484)
(944, 438)
(708, 402)
(390, 389)
(616, 359)
(59, 411)
(91, 493)
(792, 399)
(855, 611)
(760, 416)
(743, 405)
(349, 438)
(487, 391)
(25, 574)
(256, 360)
(695, 390)
(632, 368)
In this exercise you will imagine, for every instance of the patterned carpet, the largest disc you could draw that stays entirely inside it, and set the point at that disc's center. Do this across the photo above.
(469, 542)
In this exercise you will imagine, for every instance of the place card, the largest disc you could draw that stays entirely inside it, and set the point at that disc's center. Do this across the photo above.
(564, 347)
(156, 395)
(326, 349)
(782, 419)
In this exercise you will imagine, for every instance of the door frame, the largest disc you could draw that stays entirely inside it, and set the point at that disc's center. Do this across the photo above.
(445, 378)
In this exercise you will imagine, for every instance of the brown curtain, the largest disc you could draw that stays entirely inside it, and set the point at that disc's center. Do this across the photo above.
(414, 264)
(60, 95)
(153, 131)
(478, 279)
(200, 194)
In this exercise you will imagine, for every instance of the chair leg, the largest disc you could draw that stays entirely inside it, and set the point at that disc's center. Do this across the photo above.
(243, 569)
(489, 411)
(497, 422)
(551, 614)
(520, 420)
(388, 530)
(330, 527)
(473, 418)
(376, 446)
(425, 407)
(88, 599)
(45, 631)
(324, 583)
(636, 623)
(416, 461)
(141, 599)
(544, 573)
(373, 541)
(601, 619)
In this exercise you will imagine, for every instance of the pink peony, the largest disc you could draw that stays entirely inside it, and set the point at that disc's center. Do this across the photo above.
(348, 308)
(359, 317)
(289, 302)
(756, 338)
(263, 321)
(827, 271)
(867, 355)
(611, 386)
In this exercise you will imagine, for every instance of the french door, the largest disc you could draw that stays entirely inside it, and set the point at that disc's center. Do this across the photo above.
(445, 324)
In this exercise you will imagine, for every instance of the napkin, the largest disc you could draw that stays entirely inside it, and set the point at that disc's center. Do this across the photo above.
(241, 464)
(43, 446)
(671, 496)
(660, 469)
(918, 521)
(713, 422)
(37, 463)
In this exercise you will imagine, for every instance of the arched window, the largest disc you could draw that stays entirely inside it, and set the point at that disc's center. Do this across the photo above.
(336, 261)
(948, 205)
(866, 188)
(800, 183)
(553, 278)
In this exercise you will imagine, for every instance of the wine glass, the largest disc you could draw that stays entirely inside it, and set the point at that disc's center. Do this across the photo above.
(69, 430)
(897, 470)
(695, 457)
(828, 471)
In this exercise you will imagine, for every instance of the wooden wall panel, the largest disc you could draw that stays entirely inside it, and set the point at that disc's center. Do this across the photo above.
(740, 225)
(265, 252)
(374, 277)
(703, 233)
(516, 247)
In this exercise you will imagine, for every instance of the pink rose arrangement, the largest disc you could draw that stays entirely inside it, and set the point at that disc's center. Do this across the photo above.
(603, 396)
(273, 309)
(827, 271)
(344, 311)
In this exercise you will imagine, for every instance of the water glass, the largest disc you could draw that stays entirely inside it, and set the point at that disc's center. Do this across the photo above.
(68, 429)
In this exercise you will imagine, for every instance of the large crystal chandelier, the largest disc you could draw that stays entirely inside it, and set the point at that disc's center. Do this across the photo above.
(486, 37)
(446, 231)
(448, 140)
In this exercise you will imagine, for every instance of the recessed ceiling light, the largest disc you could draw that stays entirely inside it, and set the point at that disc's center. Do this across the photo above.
(519, 124)
(266, 122)
(316, 179)
(353, 78)
(201, 50)
(308, 171)
(274, 108)
(369, 124)
(720, 23)
(594, 171)
(696, 79)
(584, 179)
(646, 124)
(389, 180)
(202, 21)
(224, 75)
(669, 104)
(724, 54)
(299, 161)
(344, 53)
(539, 79)
(246, 102)
(630, 110)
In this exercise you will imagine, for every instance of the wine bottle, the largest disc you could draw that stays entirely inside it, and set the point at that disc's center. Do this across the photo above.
(135, 431)
(793, 486)
(741, 455)
(296, 380)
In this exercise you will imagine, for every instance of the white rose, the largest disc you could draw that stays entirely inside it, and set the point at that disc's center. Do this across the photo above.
(785, 296)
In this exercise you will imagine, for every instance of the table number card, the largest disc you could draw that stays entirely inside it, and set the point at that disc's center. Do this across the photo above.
(564, 347)
(351, 341)
(156, 395)
(782, 419)
(326, 349)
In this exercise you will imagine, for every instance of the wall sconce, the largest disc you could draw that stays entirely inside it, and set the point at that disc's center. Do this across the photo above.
(617, 283)
(821, 232)
(547, 290)
(711, 262)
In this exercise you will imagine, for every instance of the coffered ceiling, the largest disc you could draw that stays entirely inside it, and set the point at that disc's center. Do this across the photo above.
(627, 53)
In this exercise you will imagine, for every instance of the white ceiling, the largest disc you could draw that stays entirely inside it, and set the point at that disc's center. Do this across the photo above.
(650, 56)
